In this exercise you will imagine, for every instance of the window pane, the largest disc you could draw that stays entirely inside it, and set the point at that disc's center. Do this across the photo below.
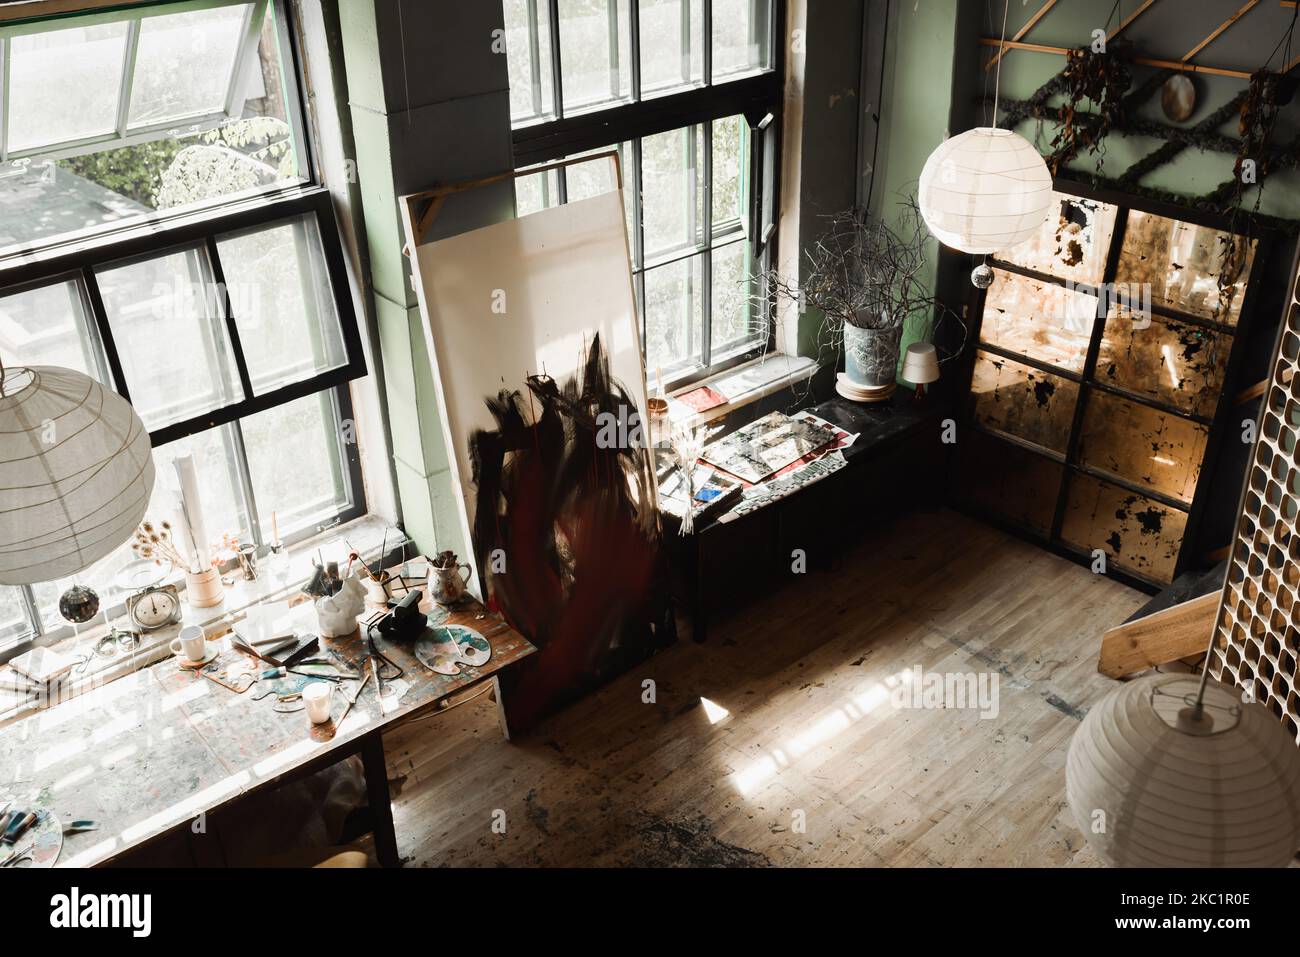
(730, 321)
(314, 489)
(670, 188)
(49, 326)
(528, 54)
(64, 84)
(740, 36)
(674, 310)
(176, 167)
(730, 173)
(283, 305)
(223, 514)
(595, 40)
(13, 617)
(672, 45)
(184, 63)
(536, 192)
(170, 336)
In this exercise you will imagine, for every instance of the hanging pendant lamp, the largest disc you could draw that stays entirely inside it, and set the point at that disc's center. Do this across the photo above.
(76, 473)
(986, 189)
(1163, 773)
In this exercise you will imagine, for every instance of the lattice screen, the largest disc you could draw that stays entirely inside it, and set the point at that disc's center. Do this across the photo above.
(1258, 629)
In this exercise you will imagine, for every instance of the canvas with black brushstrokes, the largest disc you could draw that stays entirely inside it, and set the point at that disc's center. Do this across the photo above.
(574, 518)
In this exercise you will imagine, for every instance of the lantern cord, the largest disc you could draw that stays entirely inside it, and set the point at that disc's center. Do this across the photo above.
(2, 378)
(997, 77)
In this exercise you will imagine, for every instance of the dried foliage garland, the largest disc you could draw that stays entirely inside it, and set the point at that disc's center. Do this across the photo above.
(1101, 79)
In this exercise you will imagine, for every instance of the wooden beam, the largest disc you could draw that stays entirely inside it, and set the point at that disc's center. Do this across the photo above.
(1251, 392)
(1124, 24)
(1020, 34)
(1168, 635)
(1144, 60)
(1245, 9)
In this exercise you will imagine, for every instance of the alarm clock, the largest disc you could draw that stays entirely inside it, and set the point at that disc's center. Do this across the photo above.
(154, 607)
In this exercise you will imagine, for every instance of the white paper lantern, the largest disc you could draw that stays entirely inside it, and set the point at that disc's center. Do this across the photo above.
(1150, 789)
(76, 472)
(985, 190)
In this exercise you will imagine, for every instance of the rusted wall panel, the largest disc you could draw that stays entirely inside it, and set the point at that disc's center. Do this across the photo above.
(1136, 533)
(1022, 401)
(1008, 481)
(1072, 244)
(1182, 261)
(1173, 362)
(1041, 320)
(1142, 444)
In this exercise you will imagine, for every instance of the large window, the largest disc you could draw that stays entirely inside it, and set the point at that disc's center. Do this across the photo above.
(110, 118)
(687, 91)
(161, 233)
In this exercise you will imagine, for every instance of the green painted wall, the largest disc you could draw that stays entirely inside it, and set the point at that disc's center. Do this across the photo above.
(914, 112)
(429, 100)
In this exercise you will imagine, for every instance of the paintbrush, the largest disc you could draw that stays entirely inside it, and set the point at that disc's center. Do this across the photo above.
(361, 560)
(351, 701)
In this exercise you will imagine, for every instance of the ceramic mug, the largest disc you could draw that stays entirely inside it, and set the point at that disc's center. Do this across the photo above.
(190, 643)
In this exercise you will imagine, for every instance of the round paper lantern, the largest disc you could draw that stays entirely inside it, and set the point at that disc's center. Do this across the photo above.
(985, 190)
(1150, 786)
(76, 472)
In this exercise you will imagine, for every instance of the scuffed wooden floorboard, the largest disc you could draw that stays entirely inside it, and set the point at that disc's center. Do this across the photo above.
(614, 781)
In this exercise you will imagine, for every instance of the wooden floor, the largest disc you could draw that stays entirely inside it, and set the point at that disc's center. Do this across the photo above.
(812, 737)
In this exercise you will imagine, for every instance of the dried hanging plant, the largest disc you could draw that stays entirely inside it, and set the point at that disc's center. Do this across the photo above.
(1101, 79)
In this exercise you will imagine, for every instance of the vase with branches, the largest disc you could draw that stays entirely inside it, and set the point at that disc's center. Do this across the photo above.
(868, 278)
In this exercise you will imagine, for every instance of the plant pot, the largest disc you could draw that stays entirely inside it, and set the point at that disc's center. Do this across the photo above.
(204, 589)
(871, 355)
(378, 591)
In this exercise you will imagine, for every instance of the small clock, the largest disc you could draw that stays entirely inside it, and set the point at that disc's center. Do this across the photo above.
(154, 607)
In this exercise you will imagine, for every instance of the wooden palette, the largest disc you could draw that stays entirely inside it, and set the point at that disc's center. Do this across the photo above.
(1257, 639)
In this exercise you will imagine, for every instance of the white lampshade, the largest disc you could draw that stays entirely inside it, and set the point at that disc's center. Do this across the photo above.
(985, 190)
(76, 472)
(1150, 789)
(920, 363)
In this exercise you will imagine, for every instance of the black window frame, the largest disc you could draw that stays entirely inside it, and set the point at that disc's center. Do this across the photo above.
(76, 258)
(756, 96)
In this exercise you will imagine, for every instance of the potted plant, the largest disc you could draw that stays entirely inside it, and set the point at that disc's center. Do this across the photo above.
(864, 275)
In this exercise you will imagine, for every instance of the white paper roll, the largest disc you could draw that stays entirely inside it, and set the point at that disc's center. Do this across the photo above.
(187, 473)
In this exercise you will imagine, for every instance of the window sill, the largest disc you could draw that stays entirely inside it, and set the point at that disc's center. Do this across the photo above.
(742, 385)
(366, 533)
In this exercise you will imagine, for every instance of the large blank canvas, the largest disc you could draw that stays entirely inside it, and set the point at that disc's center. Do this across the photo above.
(561, 276)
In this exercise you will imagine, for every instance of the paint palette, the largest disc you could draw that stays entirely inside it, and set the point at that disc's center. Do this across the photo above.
(446, 647)
(43, 840)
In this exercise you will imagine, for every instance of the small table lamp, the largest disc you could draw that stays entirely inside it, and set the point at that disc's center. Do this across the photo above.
(921, 365)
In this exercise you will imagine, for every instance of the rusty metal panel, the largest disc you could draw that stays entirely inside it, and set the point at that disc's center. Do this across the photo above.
(1182, 262)
(1040, 320)
(1008, 481)
(1020, 400)
(1177, 363)
(1073, 244)
(1137, 533)
(1136, 442)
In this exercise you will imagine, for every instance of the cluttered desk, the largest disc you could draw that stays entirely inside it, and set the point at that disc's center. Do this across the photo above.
(160, 750)
(787, 489)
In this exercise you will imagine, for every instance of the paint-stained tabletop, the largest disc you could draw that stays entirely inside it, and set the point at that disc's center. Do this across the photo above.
(152, 750)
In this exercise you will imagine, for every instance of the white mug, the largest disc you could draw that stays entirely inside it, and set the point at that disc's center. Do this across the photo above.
(317, 697)
(191, 643)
